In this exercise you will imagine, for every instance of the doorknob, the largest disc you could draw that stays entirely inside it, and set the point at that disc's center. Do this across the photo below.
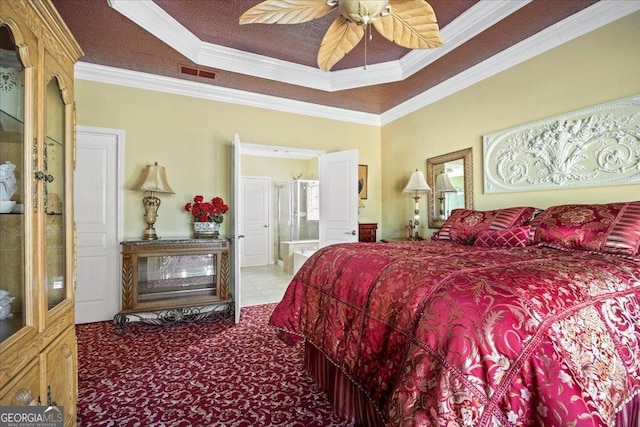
(353, 232)
(266, 226)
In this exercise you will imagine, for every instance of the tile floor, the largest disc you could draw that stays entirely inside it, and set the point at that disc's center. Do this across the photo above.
(262, 285)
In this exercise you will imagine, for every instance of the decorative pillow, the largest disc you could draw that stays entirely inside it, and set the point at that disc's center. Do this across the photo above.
(610, 228)
(463, 225)
(514, 237)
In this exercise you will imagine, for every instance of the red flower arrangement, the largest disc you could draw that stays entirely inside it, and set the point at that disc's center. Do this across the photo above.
(207, 211)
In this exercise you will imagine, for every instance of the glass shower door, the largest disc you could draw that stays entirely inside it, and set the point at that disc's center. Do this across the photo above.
(284, 217)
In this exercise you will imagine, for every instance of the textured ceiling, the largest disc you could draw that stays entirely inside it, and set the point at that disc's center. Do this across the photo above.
(297, 43)
(109, 38)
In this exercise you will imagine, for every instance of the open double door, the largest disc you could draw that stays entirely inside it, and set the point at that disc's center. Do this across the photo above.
(338, 176)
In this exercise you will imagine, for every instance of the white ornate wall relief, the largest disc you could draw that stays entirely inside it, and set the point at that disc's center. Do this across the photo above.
(596, 146)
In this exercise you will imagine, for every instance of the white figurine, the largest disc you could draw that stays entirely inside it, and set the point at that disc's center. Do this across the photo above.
(5, 304)
(8, 184)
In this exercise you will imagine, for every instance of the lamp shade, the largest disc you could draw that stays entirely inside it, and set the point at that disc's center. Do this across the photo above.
(154, 179)
(444, 185)
(417, 184)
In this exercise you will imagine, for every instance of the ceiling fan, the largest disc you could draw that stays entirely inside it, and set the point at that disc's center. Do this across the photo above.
(408, 23)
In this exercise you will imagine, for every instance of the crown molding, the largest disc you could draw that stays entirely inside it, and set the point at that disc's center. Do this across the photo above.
(602, 13)
(156, 21)
(148, 15)
(136, 79)
(251, 64)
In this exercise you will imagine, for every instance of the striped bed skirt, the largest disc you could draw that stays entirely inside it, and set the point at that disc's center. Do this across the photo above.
(349, 401)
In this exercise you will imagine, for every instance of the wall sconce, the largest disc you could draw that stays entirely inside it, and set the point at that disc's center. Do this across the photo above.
(153, 180)
(443, 185)
(416, 185)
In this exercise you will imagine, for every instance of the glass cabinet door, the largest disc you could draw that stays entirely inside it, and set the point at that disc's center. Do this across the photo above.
(53, 159)
(13, 309)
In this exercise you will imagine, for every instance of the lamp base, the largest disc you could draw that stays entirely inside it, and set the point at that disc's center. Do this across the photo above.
(151, 204)
(413, 230)
(149, 234)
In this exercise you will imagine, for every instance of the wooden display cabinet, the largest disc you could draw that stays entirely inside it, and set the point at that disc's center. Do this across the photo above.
(174, 280)
(38, 358)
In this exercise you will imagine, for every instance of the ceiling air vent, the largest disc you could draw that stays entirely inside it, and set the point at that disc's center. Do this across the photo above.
(197, 72)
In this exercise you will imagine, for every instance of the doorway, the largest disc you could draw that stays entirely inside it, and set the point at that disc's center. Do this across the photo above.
(266, 157)
(264, 282)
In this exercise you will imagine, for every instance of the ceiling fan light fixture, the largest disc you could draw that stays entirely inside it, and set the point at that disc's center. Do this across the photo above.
(362, 12)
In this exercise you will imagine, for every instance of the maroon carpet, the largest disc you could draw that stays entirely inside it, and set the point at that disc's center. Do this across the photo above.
(211, 373)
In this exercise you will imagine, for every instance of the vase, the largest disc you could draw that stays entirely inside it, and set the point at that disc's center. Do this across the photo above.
(206, 230)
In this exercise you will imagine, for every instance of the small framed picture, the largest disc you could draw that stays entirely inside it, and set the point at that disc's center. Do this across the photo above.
(362, 181)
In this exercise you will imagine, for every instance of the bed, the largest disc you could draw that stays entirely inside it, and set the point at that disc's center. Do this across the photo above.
(505, 318)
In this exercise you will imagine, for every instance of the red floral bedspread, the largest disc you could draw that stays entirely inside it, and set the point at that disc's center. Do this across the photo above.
(438, 333)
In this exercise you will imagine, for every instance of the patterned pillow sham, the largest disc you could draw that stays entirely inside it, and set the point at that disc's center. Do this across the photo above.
(463, 225)
(514, 237)
(612, 228)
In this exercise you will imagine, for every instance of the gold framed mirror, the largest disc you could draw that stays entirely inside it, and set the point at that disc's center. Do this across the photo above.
(450, 177)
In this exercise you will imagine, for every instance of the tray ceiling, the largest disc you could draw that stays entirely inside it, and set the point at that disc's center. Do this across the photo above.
(278, 62)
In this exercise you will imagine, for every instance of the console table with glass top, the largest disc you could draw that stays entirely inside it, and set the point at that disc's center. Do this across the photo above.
(174, 280)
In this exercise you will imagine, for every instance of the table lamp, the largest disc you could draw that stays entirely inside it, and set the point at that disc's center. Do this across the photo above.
(443, 185)
(153, 180)
(416, 185)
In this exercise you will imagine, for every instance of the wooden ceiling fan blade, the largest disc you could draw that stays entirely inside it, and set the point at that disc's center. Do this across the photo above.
(411, 24)
(340, 38)
(285, 12)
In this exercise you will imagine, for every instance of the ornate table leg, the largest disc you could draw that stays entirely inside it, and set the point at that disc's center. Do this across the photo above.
(120, 320)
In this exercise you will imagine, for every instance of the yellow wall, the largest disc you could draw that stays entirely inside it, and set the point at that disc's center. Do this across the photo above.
(599, 67)
(192, 137)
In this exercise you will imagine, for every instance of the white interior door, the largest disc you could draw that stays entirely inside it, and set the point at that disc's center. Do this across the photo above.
(236, 238)
(338, 176)
(255, 194)
(98, 212)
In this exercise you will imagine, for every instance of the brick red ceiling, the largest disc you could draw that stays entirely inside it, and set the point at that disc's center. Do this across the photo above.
(109, 38)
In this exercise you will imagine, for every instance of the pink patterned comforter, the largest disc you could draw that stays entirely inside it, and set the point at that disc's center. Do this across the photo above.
(437, 333)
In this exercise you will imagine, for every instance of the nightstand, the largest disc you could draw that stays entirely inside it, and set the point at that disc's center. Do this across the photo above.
(367, 232)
